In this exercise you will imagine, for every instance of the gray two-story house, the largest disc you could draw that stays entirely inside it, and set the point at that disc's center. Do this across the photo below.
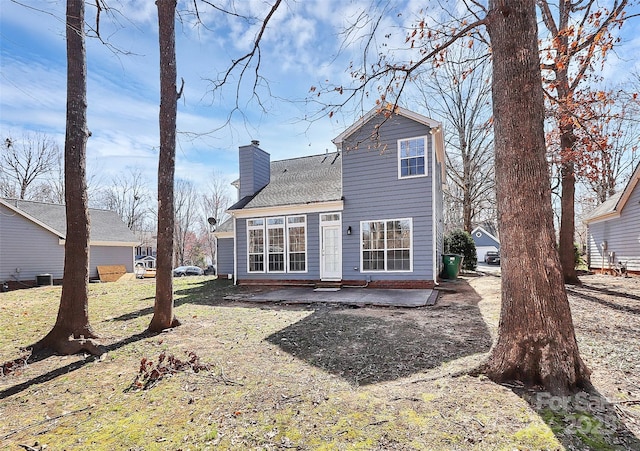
(368, 214)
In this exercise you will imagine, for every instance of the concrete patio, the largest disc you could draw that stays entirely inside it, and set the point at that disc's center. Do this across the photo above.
(350, 296)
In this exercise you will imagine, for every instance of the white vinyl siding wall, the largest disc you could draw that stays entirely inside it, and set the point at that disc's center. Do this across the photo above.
(622, 235)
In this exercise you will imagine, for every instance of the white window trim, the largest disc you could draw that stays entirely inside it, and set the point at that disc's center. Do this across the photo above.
(262, 228)
(265, 236)
(378, 271)
(306, 246)
(282, 226)
(324, 223)
(425, 138)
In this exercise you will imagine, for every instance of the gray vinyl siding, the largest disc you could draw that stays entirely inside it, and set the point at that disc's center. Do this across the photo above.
(36, 250)
(373, 191)
(28, 246)
(110, 255)
(313, 252)
(225, 256)
(254, 170)
(622, 235)
(484, 240)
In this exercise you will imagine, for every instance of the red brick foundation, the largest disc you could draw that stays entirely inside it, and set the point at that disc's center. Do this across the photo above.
(389, 284)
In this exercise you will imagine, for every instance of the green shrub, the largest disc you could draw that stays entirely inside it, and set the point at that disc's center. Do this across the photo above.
(460, 242)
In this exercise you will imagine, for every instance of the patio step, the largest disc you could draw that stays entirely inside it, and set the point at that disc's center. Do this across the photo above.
(328, 285)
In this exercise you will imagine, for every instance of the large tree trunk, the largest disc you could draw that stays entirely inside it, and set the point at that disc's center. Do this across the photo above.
(72, 331)
(536, 341)
(163, 315)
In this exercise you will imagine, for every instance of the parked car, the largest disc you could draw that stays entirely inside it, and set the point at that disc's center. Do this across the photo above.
(492, 258)
(182, 271)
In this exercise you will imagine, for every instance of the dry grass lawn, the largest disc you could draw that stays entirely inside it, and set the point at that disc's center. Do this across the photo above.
(274, 376)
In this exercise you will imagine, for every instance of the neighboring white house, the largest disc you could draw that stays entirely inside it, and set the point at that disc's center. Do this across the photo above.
(614, 230)
(485, 242)
(32, 238)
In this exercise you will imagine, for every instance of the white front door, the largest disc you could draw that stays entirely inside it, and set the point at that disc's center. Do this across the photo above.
(331, 253)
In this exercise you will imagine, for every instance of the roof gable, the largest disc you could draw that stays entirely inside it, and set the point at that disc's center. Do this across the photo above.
(389, 109)
(386, 109)
(482, 231)
(612, 207)
(106, 225)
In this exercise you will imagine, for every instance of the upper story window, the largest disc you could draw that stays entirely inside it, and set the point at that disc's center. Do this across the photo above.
(412, 157)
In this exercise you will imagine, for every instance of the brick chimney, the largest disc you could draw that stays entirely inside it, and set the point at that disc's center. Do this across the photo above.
(255, 171)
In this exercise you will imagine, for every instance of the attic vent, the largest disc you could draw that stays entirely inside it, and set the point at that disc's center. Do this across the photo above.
(255, 142)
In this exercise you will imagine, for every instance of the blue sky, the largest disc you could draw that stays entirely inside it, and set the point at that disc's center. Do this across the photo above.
(299, 51)
(123, 89)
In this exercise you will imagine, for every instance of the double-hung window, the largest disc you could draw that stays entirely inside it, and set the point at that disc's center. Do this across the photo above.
(386, 245)
(296, 236)
(255, 244)
(275, 248)
(277, 244)
(412, 157)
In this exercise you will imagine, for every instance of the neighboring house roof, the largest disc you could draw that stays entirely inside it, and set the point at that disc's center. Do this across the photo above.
(226, 226)
(146, 258)
(612, 207)
(483, 231)
(106, 226)
(225, 230)
(299, 181)
(147, 238)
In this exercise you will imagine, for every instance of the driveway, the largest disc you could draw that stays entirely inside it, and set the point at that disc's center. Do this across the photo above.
(485, 268)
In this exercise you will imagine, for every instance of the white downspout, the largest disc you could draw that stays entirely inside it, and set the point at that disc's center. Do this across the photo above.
(235, 251)
(434, 229)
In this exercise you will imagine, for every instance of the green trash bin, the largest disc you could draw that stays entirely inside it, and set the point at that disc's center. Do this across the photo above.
(452, 264)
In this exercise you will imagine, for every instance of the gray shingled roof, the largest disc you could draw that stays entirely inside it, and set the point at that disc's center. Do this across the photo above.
(226, 226)
(106, 225)
(608, 206)
(296, 181)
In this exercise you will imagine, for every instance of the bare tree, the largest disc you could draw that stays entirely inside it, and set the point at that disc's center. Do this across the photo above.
(214, 203)
(614, 132)
(458, 90)
(540, 351)
(28, 160)
(72, 331)
(186, 218)
(578, 35)
(128, 195)
(163, 315)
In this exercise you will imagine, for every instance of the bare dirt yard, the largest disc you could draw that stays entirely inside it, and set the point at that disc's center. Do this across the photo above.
(239, 375)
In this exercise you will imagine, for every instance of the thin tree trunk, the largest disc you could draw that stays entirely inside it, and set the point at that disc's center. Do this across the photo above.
(72, 331)
(567, 223)
(536, 341)
(163, 315)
